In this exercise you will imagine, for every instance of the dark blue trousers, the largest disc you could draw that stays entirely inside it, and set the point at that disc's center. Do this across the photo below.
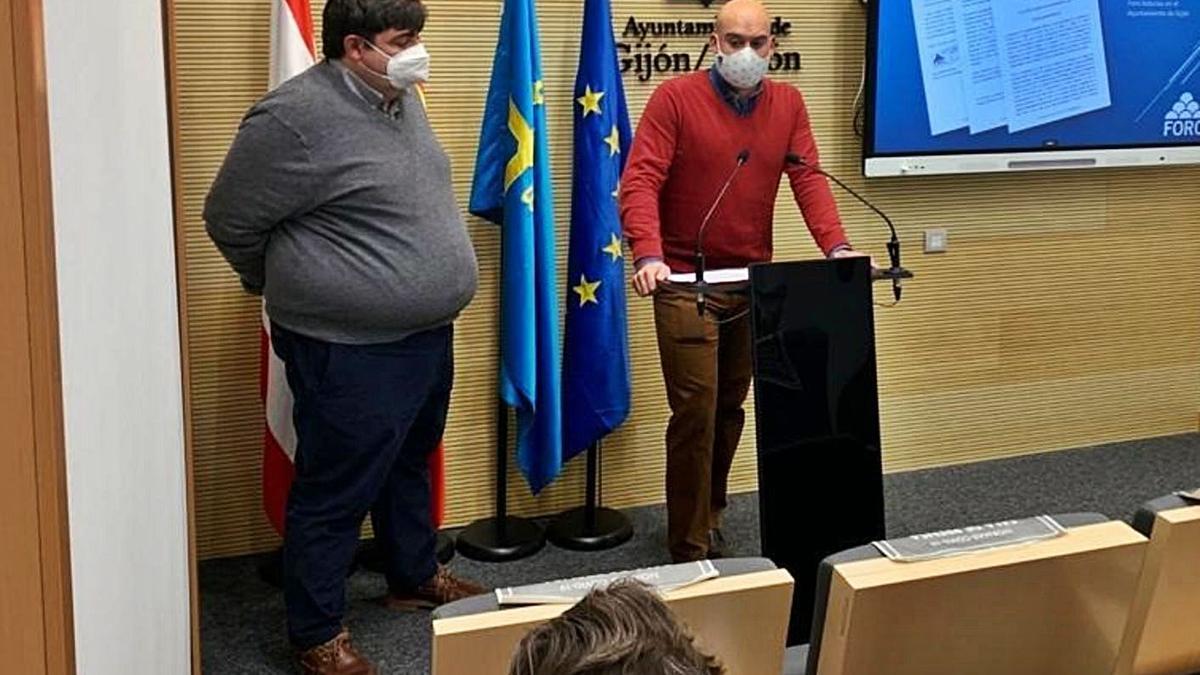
(367, 417)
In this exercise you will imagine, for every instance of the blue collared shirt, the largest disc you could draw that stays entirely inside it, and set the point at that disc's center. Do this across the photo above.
(390, 107)
(743, 106)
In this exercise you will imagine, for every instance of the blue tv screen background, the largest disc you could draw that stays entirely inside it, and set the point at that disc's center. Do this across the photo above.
(1146, 45)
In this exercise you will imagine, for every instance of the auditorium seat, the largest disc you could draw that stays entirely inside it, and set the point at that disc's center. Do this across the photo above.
(740, 617)
(1143, 520)
(1162, 636)
(804, 659)
(487, 602)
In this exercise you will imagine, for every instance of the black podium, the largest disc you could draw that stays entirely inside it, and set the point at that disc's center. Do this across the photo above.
(820, 480)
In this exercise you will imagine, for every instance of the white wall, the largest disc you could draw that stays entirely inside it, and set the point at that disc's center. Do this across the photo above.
(119, 332)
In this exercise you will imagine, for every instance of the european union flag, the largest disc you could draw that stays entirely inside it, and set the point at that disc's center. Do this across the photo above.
(512, 189)
(596, 360)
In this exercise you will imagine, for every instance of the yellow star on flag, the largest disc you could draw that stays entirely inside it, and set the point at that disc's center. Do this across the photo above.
(613, 248)
(590, 101)
(539, 93)
(586, 290)
(527, 198)
(522, 159)
(614, 142)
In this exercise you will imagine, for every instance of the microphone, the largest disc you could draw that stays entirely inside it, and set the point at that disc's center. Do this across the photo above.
(701, 287)
(895, 272)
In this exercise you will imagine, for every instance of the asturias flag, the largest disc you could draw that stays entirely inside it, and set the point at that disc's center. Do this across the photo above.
(595, 353)
(512, 189)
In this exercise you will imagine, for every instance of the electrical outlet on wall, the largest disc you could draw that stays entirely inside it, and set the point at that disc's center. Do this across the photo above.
(936, 240)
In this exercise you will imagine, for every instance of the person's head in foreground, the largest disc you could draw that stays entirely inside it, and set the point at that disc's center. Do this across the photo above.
(624, 629)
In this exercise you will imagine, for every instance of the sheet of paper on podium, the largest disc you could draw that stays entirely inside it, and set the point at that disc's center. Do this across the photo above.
(726, 275)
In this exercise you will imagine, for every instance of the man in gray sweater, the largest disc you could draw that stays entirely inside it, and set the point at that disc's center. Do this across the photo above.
(335, 203)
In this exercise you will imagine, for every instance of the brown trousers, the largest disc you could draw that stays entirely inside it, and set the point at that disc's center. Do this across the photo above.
(706, 366)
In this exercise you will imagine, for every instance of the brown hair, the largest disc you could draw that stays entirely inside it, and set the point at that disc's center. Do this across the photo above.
(624, 629)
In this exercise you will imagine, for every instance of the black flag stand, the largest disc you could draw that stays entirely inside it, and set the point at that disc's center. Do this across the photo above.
(503, 537)
(590, 527)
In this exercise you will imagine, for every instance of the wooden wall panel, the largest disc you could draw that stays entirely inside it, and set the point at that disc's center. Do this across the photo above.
(21, 610)
(36, 614)
(1067, 311)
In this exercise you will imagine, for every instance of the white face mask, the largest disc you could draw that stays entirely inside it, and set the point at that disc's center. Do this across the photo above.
(407, 66)
(743, 69)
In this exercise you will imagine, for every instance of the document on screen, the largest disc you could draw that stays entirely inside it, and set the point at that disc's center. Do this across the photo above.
(986, 102)
(1052, 58)
(943, 58)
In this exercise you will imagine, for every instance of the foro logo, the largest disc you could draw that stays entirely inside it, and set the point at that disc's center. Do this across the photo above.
(1183, 119)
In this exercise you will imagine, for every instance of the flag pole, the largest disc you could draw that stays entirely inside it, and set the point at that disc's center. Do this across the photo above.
(501, 538)
(591, 527)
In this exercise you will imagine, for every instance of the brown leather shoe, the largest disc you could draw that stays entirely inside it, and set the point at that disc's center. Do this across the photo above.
(336, 657)
(718, 547)
(441, 588)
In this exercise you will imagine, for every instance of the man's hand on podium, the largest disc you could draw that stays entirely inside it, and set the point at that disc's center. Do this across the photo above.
(649, 275)
(851, 253)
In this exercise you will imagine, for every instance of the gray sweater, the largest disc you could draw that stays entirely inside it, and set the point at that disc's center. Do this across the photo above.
(342, 216)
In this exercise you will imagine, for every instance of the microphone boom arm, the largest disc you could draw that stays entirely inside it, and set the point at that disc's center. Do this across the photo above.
(701, 286)
(896, 272)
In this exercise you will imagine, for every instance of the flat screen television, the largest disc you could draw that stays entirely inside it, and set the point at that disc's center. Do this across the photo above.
(965, 86)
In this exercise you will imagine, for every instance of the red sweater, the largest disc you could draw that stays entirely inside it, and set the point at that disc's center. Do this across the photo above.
(687, 143)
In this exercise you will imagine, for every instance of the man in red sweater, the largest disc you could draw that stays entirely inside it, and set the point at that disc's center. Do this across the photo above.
(693, 132)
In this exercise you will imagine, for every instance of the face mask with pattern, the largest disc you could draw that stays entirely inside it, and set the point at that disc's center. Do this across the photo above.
(743, 69)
